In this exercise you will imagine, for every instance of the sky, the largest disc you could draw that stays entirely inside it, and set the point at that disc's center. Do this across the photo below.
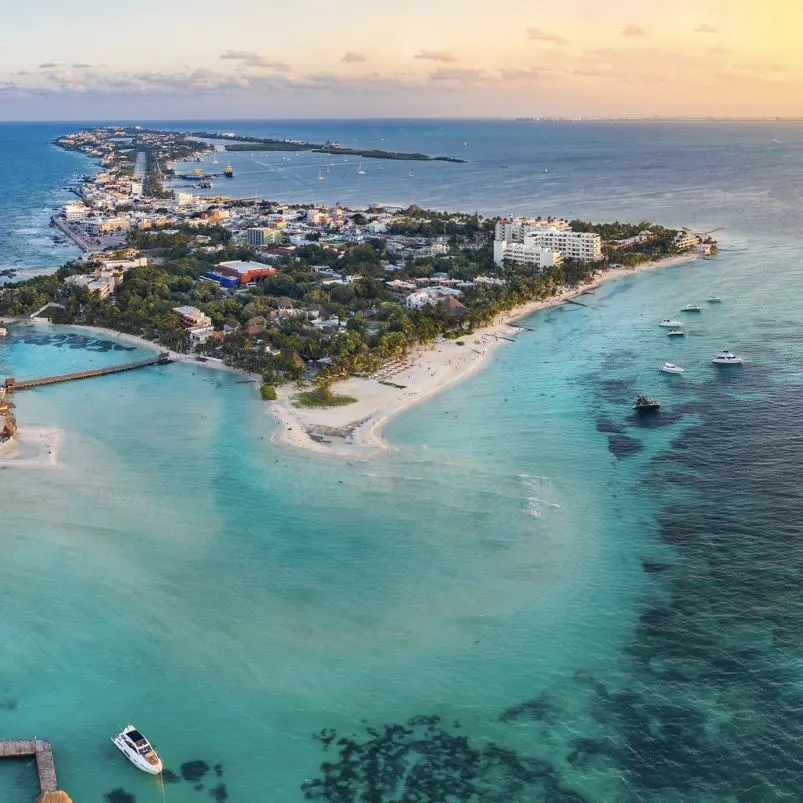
(183, 59)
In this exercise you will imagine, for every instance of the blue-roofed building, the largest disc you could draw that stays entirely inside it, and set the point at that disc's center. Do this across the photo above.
(223, 281)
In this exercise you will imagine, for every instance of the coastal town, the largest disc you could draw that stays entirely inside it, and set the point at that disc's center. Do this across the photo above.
(297, 294)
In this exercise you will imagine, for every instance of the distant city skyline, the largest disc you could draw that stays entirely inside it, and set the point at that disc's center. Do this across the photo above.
(583, 58)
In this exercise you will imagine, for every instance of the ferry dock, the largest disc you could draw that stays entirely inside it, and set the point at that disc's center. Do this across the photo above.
(11, 384)
(41, 750)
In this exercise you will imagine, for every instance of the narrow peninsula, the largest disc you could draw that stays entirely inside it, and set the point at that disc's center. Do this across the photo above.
(341, 317)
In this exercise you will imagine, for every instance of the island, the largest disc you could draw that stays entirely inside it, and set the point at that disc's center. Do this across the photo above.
(245, 143)
(340, 317)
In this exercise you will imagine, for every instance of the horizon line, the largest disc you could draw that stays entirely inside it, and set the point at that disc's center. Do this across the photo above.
(516, 118)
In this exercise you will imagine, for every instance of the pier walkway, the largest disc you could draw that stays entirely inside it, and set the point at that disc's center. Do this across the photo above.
(41, 750)
(12, 384)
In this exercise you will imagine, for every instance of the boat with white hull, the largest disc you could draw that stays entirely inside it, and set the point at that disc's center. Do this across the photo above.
(725, 357)
(137, 749)
(671, 368)
(667, 322)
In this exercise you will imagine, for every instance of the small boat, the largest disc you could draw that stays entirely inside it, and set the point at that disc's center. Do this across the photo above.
(360, 171)
(321, 176)
(137, 749)
(646, 404)
(676, 333)
(726, 357)
(692, 308)
(668, 322)
(671, 368)
(714, 300)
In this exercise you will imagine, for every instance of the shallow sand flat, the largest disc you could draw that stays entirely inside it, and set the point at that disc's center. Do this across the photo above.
(31, 447)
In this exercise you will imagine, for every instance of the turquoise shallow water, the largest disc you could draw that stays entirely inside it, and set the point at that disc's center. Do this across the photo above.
(615, 603)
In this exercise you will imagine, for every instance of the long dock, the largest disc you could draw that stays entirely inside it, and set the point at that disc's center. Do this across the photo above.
(12, 384)
(41, 750)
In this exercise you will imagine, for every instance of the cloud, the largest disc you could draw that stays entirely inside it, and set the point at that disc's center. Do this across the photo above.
(435, 55)
(82, 66)
(48, 65)
(516, 74)
(540, 35)
(354, 58)
(633, 30)
(705, 27)
(455, 74)
(251, 59)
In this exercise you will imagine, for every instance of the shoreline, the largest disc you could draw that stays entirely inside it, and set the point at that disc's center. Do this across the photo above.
(354, 431)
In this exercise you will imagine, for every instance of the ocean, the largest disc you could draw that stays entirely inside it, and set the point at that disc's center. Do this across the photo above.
(533, 596)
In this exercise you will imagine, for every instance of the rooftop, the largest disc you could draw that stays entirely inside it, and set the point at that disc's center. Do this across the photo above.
(243, 267)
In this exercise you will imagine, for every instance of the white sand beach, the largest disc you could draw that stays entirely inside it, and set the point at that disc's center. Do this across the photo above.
(354, 430)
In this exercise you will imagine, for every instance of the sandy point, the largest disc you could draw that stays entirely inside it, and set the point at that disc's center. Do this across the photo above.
(354, 430)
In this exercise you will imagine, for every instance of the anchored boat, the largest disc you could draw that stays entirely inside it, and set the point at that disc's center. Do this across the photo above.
(137, 749)
(644, 404)
(725, 357)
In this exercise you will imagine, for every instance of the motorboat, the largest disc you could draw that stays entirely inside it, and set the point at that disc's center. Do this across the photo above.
(692, 308)
(668, 322)
(646, 404)
(714, 300)
(676, 333)
(671, 368)
(137, 749)
(725, 357)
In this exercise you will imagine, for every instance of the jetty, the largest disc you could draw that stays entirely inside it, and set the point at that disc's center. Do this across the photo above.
(12, 384)
(41, 750)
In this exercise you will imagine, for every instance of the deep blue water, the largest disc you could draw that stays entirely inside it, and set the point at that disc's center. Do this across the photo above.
(34, 176)
(534, 596)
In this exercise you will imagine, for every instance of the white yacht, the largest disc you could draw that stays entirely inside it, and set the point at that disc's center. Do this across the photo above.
(714, 300)
(692, 308)
(321, 176)
(137, 749)
(725, 357)
(667, 322)
(360, 171)
(671, 368)
(676, 333)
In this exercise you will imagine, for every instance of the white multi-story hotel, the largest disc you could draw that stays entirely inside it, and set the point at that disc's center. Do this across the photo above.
(526, 254)
(525, 241)
(516, 229)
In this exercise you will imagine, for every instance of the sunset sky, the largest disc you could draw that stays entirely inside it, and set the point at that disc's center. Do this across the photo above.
(156, 59)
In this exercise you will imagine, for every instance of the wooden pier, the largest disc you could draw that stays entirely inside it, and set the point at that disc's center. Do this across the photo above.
(41, 750)
(12, 384)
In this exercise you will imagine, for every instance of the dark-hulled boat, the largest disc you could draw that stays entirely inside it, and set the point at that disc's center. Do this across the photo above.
(644, 404)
